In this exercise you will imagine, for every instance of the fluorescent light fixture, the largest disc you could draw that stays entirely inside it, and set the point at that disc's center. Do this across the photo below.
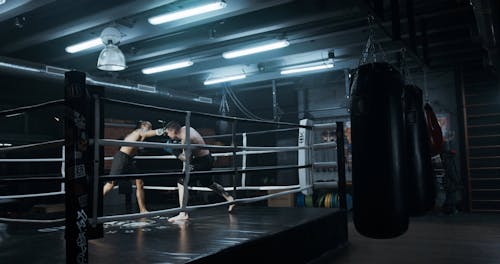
(5, 145)
(225, 79)
(167, 67)
(307, 69)
(84, 45)
(168, 17)
(257, 49)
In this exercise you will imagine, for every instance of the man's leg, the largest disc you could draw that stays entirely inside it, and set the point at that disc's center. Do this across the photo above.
(108, 187)
(139, 192)
(181, 215)
(217, 188)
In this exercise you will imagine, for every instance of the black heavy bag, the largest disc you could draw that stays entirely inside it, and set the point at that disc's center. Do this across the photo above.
(378, 148)
(420, 176)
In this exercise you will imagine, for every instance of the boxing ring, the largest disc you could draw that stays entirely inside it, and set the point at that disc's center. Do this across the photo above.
(211, 234)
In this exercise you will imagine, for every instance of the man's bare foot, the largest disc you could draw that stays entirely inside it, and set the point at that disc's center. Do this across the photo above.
(231, 206)
(144, 211)
(182, 216)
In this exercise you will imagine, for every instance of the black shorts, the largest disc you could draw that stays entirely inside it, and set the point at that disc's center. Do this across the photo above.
(123, 164)
(204, 163)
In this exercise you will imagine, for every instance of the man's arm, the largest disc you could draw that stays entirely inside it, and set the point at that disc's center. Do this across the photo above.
(182, 156)
(152, 133)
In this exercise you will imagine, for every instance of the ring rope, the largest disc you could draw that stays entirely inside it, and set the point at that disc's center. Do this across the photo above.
(19, 196)
(30, 107)
(21, 179)
(57, 143)
(115, 142)
(222, 154)
(247, 152)
(225, 154)
(179, 173)
(252, 133)
(33, 160)
(40, 221)
(104, 219)
(104, 99)
(238, 188)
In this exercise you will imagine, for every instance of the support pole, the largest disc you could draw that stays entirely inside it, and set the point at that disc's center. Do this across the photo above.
(341, 164)
(187, 152)
(235, 166)
(396, 20)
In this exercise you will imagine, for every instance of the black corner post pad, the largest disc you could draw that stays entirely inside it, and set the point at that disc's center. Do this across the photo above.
(79, 165)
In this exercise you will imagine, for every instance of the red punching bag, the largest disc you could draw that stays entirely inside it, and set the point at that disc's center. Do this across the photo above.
(420, 176)
(378, 152)
(435, 132)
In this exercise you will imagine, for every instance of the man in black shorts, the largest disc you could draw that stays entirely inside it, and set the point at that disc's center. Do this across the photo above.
(123, 163)
(201, 160)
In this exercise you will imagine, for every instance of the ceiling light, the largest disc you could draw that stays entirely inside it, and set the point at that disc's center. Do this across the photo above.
(256, 49)
(2, 2)
(111, 57)
(84, 45)
(225, 79)
(307, 69)
(168, 17)
(167, 67)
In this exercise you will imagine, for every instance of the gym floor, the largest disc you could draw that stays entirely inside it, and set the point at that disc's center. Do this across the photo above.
(459, 238)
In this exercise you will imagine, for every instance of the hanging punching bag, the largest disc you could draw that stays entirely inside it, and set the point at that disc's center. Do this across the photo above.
(435, 132)
(420, 177)
(378, 162)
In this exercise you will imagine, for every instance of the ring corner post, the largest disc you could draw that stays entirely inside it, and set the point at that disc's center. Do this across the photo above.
(96, 160)
(77, 166)
(234, 125)
(304, 156)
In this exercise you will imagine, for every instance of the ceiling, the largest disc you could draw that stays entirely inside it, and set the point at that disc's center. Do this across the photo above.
(38, 31)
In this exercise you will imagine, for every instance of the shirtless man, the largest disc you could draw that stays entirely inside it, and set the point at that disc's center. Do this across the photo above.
(123, 161)
(201, 159)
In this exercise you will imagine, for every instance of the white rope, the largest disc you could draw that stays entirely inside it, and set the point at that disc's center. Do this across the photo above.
(252, 133)
(104, 219)
(58, 142)
(114, 142)
(33, 160)
(39, 221)
(18, 196)
(238, 188)
(224, 154)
